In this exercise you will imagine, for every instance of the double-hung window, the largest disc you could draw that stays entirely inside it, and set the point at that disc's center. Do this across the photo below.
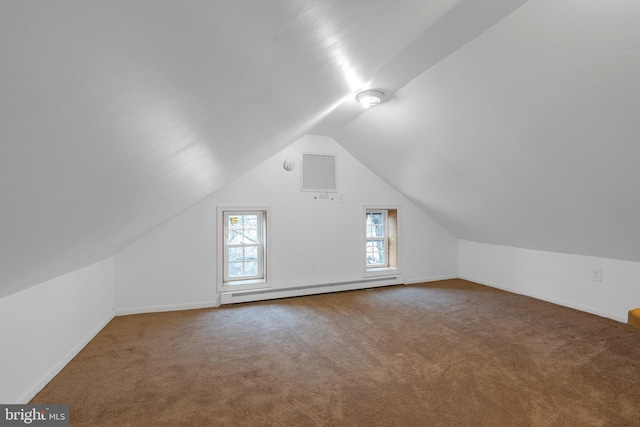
(381, 251)
(377, 241)
(244, 238)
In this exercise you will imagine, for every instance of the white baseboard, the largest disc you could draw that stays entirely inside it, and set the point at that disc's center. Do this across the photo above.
(172, 307)
(545, 298)
(60, 365)
(430, 279)
(312, 289)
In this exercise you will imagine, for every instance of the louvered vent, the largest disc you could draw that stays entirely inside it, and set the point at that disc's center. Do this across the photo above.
(319, 173)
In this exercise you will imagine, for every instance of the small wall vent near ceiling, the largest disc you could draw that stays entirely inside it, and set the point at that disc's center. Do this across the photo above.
(318, 173)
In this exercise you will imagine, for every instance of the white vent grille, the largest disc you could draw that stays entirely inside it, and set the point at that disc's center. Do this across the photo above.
(319, 173)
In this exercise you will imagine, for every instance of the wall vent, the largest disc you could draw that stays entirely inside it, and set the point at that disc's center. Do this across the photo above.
(319, 173)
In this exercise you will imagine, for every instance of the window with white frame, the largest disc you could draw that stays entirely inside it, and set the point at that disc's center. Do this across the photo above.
(381, 239)
(377, 243)
(244, 246)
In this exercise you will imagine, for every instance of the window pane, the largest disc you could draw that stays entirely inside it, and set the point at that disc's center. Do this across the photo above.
(235, 269)
(375, 252)
(376, 218)
(235, 254)
(250, 268)
(251, 254)
(235, 222)
(235, 236)
(250, 222)
(375, 225)
(250, 236)
(369, 231)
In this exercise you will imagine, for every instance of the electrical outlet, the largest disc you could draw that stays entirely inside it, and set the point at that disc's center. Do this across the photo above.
(314, 268)
(596, 275)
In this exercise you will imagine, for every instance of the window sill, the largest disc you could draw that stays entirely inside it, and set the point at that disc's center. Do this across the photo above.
(381, 271)
(243, 282)
(242, 285)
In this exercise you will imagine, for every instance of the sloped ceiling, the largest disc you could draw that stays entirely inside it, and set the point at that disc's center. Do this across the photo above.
(115, 116)
(528, 136)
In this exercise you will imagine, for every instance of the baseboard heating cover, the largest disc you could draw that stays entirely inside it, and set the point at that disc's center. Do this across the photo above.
(320, 288)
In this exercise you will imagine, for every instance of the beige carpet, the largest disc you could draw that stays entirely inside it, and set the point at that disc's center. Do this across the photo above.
(449, 353)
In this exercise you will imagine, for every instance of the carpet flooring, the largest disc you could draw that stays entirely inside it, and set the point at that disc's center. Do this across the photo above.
(448, 353)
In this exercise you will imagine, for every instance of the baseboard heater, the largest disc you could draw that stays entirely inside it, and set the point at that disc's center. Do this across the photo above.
(319, 288)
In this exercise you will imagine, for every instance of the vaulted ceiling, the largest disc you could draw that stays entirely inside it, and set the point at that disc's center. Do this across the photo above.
(510, 122)
(528, 136)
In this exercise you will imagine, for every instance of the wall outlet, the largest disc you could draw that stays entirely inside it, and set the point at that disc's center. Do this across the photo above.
(314, 268)
(596, 275)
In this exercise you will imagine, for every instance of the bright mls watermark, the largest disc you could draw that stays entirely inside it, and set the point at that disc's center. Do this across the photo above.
(34, 415)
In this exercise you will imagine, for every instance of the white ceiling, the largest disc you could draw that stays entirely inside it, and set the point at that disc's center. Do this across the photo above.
(115, 116)
(528, 136)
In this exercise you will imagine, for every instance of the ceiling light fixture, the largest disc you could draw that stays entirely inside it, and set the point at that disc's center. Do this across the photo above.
(370, 98)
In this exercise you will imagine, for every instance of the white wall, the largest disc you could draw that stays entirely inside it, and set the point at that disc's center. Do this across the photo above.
(559, 278)
(174, 266)
(43, 327)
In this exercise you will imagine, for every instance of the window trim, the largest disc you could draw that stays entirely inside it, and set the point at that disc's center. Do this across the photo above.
(384, 237)
(248, 283)
(259, 245)
(394, 240)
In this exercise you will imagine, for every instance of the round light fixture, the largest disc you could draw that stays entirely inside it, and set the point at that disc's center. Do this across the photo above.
(370, 98)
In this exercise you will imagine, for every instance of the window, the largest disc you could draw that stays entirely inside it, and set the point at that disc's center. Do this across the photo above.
(377, 242)
(244, 248)
(381, 240)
